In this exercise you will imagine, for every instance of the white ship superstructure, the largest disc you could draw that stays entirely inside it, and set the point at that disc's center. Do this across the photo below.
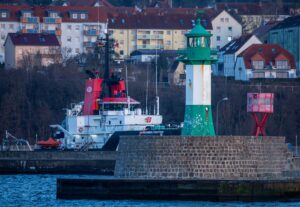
(90, 124)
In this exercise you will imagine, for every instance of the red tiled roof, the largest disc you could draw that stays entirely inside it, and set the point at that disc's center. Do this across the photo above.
(156, 21)
(253, 8)
(41, 11)
(32, 39)
(267, 52)
(88, 3)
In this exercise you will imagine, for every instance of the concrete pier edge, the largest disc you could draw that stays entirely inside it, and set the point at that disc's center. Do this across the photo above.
(202, 190)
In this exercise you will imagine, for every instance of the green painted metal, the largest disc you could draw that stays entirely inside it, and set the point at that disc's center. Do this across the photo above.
(198, 118)
(198, 46)
(198, 121)
(198, 31)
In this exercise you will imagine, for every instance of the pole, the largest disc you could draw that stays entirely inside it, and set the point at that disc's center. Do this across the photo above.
(296, 145)
(127, 93)
(147, 92)
(157, 98)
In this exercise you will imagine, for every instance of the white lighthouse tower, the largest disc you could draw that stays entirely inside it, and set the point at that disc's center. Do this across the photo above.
(197, 58)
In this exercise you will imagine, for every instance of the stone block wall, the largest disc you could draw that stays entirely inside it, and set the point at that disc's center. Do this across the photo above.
(222, 157)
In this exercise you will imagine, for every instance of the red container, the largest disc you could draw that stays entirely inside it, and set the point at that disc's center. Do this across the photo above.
(260, 102)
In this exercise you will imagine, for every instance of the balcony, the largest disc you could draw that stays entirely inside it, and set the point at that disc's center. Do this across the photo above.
(144, 37)
(34, 20)
(89, 44)
(57, 32)
(157, 36)
(91, 32)
(149, 47)
(52, 20)
(29, 31)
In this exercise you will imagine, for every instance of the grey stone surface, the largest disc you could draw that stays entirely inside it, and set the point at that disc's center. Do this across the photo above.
(223, 157)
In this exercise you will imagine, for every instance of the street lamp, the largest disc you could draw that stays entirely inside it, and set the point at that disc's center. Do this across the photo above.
(217, 122)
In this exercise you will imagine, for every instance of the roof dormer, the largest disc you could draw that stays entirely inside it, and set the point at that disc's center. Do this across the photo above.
(4, 13)
(78, 15)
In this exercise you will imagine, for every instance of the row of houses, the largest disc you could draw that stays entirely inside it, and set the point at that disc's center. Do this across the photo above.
(271, 51)
(78, 24)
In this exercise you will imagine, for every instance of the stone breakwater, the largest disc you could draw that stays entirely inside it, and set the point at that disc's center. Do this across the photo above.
(222, 157)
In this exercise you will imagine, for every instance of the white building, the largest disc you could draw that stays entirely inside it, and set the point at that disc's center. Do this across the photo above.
(76, 27)
(226, 27)
(265, 61)
(227, 54)
(7, 25)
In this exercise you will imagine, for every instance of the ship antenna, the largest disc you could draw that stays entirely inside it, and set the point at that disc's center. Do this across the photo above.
(147, 91)
(156, 94)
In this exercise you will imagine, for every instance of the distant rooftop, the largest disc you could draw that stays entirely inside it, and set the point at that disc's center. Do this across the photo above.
(33, 39)
(288, 22)
(235, 44)
(267, 52)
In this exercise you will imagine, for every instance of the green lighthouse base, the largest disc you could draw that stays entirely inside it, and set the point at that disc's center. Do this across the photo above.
(198, 121)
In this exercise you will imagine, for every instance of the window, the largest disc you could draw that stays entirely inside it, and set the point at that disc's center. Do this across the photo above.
(121, 31)
(168, 32)
(53, 15)
(74, 16)
(3, 14)
(218, 47)
(121, 52)
(11, 26)
(121, 42)
(229, 38)
(77, 27)
(218, 38)
(183, 32)
(282, 64)
(229, 28)
(222, 19)
(226, 19)
(77, 50)
(69, 27)
(2, 37)
(219, 29)
(258, 64)
(168, 42)
(26, 14)
(69, 39)
(82, 16)
(2, 26)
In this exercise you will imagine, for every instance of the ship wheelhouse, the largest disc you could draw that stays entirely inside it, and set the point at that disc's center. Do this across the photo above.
(117, 105)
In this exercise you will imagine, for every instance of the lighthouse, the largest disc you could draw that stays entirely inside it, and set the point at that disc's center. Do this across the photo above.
(197, 59)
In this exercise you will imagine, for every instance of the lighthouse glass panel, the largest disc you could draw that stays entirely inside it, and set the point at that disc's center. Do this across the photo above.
(198, 42)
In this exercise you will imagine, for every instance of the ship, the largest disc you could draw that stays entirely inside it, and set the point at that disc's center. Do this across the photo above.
(107, 113)
(99, 121)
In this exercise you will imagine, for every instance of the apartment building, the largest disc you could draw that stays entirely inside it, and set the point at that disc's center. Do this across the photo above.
(253, 15)
(31, 49)
(165, 29)
(151, 31)
(76, 27)
(225, 28)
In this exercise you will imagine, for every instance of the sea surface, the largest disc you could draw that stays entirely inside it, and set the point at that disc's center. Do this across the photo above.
(40, 190)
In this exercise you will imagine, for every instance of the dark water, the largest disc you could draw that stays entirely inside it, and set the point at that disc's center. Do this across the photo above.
(40, 190)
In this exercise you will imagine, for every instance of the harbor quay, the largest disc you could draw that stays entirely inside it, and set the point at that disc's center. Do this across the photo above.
(194, 168)
(57, 162)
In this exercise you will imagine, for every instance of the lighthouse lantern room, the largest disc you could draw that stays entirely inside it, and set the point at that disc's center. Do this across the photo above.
(197, 58)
